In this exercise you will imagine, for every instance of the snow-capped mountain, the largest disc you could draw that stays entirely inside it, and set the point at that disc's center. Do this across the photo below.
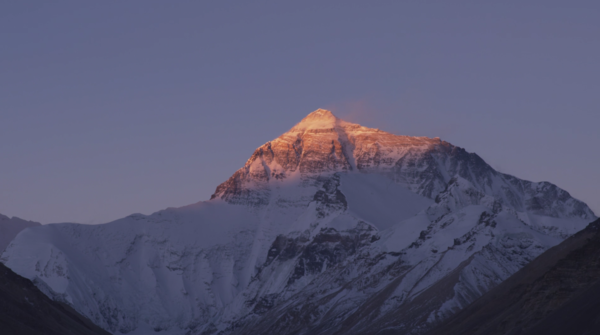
(330, 228)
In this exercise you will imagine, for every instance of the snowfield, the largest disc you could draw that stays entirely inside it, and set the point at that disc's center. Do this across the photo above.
(332, 228)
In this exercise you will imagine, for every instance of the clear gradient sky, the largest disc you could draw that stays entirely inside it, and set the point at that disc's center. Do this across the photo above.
(108, 108)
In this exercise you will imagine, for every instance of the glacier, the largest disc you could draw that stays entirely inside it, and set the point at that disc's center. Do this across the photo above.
(332, 228)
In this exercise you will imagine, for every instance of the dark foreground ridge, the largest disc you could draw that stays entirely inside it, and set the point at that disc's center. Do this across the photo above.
(25, 310)
(557, 293)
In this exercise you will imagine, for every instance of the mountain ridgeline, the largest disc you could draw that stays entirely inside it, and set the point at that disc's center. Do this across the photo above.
(10, 227)
(332, 228)
(557, 293)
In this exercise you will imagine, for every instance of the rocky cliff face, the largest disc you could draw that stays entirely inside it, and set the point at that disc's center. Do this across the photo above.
(323, 144)
(330, 228)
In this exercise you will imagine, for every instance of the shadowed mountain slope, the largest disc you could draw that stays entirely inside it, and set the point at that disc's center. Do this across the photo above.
(25, 310)
(557, 293)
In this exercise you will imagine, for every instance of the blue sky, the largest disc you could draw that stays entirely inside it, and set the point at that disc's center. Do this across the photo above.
(110, 108)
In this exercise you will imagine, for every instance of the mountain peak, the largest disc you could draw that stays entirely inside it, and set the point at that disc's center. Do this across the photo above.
(319, 119)
(320, 114)
(379, 232)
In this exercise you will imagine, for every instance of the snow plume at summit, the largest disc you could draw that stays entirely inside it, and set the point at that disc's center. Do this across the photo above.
(331, 228)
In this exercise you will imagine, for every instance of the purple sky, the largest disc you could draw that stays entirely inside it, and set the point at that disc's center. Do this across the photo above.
(113, 107)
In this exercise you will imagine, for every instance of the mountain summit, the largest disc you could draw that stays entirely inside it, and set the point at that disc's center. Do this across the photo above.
(331, 228)
(322, 143)
(321, 118)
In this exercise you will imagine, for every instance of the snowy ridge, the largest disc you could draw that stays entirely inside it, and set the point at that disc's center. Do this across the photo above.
(10, 227)
(330, 228)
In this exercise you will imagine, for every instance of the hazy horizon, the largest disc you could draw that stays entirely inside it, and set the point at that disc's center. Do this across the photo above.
(110, 108)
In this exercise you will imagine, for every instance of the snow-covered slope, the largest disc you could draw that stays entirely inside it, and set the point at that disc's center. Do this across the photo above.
(10, 227)
(24, 310)
(330, 228)
(555, 294)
